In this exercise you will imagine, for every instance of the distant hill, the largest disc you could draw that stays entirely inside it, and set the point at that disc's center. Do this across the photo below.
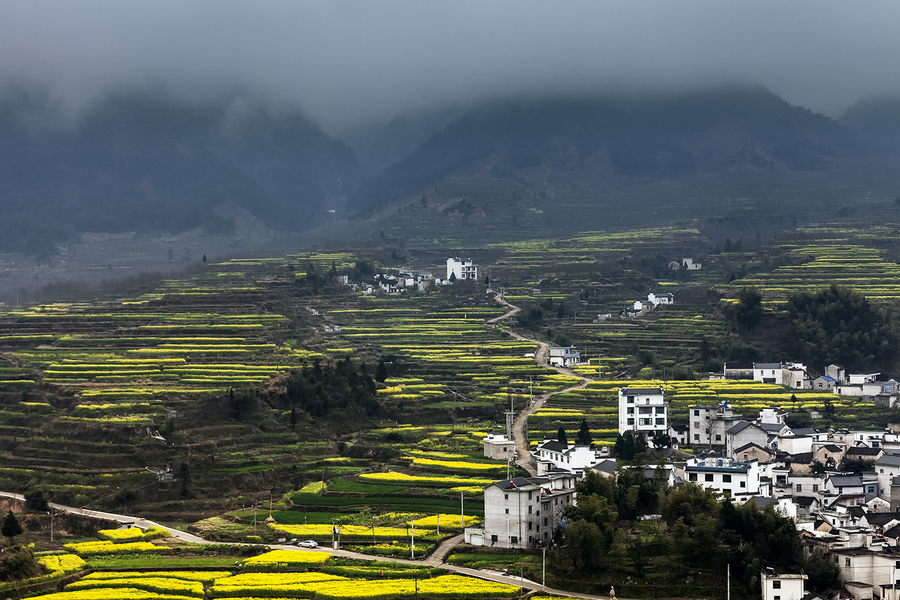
(146, 162)
(877, 120)
(550, 145)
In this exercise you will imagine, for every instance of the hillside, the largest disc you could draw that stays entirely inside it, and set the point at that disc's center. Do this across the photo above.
(877, 120)
(556, 147)
(153, 164)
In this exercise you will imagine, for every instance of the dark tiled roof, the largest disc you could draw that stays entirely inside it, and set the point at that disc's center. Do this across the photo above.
(766, 365)
(804, 431)
(889, 460)
(845, 480)
(515, 482)
(640, 391)
(554, 445)
(804, 500)
(832, 447)
(882, 518)
(864, 451)
(748, 446)
(771, 427)
(739, 427)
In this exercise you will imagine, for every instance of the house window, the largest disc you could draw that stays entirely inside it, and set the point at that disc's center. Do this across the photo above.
(631, 421)
(660, 410)
(743, 484)
(494, 541)
(776, 597)
(529, 525)
(506, 496)
(630, 410)
(529, 496)
(507, 511)
(645, 410)
(708, 477)
(645, 421)
(692, 477)
(726, 478)
(776, 585)
(661, 421)
(529, 510)
(815, 487)
(847, 562)
(745, 456)
(696, 424)
(630, 399)
(696, 414)
(514, 539)
(718, 437)
(799, 488)
(696, 437)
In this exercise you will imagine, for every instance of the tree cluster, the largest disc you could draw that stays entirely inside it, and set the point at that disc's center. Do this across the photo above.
(326, 388)
(838, 325)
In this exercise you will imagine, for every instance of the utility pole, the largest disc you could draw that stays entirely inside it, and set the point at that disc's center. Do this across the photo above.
(412, 540)
(462, 513)
(544, 569)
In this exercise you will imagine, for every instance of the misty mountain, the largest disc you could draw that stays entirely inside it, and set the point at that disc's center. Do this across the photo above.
(877, 120)
(381, 144)
(552, 145)
(146, 162)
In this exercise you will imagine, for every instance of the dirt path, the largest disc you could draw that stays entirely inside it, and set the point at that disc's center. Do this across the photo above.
(520, 433)
(436, 559)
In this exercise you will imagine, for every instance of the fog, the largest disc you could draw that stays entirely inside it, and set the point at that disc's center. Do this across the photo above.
(351, 62)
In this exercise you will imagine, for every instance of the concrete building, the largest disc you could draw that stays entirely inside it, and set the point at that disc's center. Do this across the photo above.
(707, 423)
(525, 512)
(563, 356)
(768, 373)
(461, 268)
(498, 446)
(887, 468)
(737, 480)
(787, 586)
(550, 456)
(743, 433)
(643, 410)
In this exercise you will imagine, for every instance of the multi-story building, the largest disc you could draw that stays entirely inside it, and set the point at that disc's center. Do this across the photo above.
(525, 512)
(768, 372)
(563, 356)
(707, 423)
(461, 268)
(553, 456)
(643, 411)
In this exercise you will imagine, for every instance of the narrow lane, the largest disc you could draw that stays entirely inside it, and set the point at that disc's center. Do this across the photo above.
(523, 450)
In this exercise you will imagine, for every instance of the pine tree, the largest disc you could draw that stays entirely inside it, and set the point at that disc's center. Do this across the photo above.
(381, 372)
(561, 436)
(293, 418)
(584, 434)
(11, 527)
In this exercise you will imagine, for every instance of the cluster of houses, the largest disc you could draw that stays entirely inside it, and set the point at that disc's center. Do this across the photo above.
(687, 264)
(642, 307)
(458, 269)
(852, 515)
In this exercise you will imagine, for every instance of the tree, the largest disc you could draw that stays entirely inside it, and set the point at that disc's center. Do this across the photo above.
(11, 527)
(35, 500)
(381, 372)
(561, 436)
(452, 276)
(204, 258)
(584, 434)
(748, 310)
(185, 475)
(293, 418)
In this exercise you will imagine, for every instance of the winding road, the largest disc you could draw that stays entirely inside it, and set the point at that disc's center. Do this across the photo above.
(540, 357)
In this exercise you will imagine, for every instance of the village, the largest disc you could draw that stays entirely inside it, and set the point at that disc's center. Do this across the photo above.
(841, 487)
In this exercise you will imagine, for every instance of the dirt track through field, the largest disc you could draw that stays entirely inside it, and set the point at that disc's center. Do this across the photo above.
(520, 433)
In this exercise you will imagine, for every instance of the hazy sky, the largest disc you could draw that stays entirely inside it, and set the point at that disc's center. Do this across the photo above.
(350, 61)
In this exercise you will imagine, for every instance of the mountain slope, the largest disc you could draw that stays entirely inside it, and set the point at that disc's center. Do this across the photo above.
(877, 120)
(149, 163)
(550, 144)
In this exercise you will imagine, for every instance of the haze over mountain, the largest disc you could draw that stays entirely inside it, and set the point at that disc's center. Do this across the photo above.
(147, 162)
(877, 120)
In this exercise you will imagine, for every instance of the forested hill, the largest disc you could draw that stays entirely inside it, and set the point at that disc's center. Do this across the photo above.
(147, 162)
(557, 143)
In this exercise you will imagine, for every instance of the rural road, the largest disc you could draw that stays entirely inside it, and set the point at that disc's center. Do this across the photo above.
(523, 450)
(435, 559)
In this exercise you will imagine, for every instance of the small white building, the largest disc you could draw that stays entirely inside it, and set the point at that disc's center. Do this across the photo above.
(498, 446)
(461, 268)
(643, 410)
(690, 265)
(658, 299)
(523, 512)
(767, 373)
(563, 356)
(551, 456)
(708, 423)
(788, 586)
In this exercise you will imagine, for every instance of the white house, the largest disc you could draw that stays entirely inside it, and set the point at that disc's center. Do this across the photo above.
(643, 410)
(738, 480)
(461, 268)
(788, 586)
(886, 468)
(552, 456)
(768, 373)
(498, 446)
(795, 376)
(861, 378)
(523, 512)
(657, 299)
(690, 265)
(742, 433)
(563, 356)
